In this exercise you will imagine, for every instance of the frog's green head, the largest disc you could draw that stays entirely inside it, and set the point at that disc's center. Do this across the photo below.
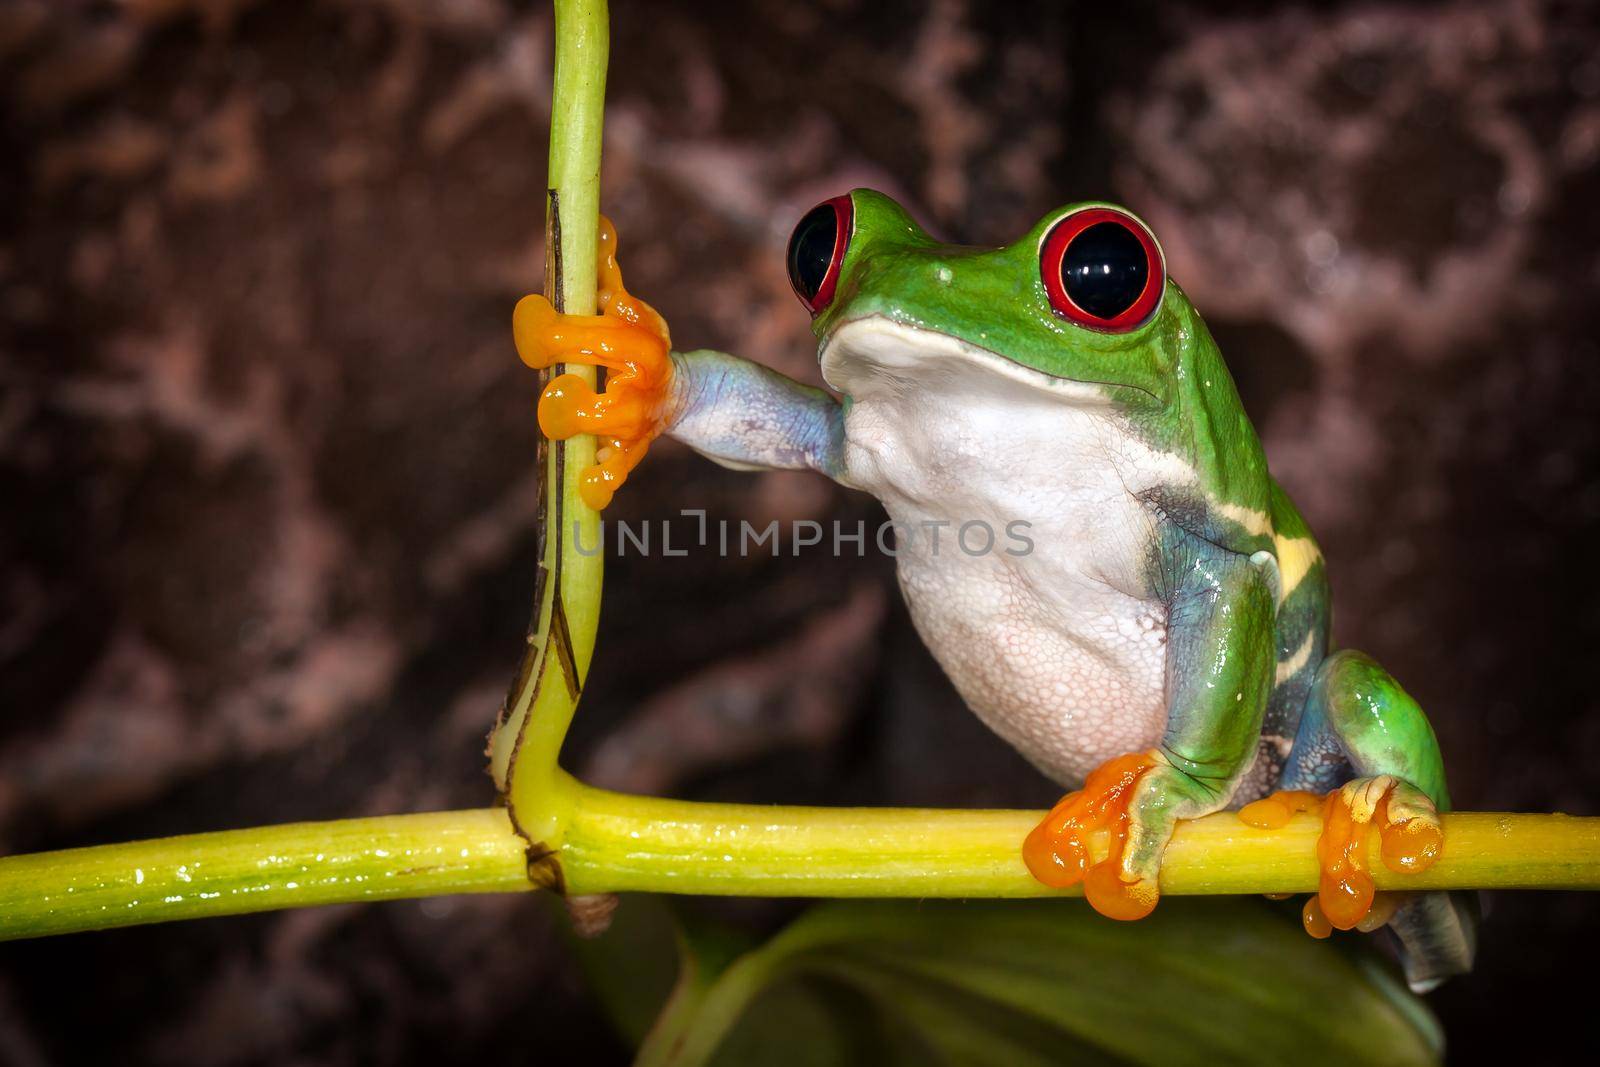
(1078, 311)
(1080, 305)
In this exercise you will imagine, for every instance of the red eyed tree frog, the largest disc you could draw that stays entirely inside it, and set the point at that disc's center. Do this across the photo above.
(1163, 646)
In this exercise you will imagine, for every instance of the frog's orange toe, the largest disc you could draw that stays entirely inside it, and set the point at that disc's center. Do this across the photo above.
(1316, 923)
(567, 403)
(531, 323)
(1054, 854)
(616, 458)
(1057, 850)
(598, 486)
(1345, 890)
(1412, 845)
(1345, 896)
(1272, 812)
(570, 406)
(1115, 898)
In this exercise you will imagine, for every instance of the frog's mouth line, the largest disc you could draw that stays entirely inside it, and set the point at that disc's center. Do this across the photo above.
(875, 352)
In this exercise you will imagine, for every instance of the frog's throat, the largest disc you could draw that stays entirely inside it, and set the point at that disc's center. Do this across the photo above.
(875, 354)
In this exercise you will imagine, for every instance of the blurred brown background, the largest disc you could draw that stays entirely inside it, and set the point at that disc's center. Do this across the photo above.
(266, 450)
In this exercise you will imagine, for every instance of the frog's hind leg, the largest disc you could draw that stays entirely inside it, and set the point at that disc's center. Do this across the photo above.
(1359, 721)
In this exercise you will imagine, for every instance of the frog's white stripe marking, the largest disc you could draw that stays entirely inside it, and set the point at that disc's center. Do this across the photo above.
(1296, 556)
(1288, 668)
(1255, 523)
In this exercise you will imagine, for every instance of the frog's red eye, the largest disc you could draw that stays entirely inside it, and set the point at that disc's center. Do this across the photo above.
(816, 249)
(1102, 269)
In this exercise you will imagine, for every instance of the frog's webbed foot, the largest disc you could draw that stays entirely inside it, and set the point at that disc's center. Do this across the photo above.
(1408, 827)
(1137, 800)
(627, 338)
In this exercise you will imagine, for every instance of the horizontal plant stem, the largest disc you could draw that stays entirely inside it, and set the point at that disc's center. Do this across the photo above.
(260, 869)
(618, 843)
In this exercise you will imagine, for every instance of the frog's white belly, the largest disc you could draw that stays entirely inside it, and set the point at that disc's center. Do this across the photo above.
(1069, 681)
(1060, 650)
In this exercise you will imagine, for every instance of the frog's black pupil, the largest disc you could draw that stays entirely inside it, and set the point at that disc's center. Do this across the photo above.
(1105, 269)
(811, 249)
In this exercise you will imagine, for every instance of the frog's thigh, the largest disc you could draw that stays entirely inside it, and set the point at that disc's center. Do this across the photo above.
(1357, 718)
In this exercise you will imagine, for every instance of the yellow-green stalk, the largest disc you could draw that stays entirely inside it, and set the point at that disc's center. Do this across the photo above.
(527, 738)
(617, 843)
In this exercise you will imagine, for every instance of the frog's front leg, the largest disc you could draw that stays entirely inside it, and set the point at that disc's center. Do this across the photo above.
(1219, 670)
(735, 412)
(749, 417)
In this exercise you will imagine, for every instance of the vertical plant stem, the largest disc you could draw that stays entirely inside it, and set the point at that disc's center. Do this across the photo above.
(538, 710)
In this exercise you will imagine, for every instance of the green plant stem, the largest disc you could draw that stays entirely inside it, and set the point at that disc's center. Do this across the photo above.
(261, 869)
(624, 843)
(618, 843)
(527, 738)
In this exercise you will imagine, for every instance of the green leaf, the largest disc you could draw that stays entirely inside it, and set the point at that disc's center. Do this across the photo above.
(1038, 982)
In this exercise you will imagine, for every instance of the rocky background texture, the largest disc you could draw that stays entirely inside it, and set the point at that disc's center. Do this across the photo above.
(266, 451)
